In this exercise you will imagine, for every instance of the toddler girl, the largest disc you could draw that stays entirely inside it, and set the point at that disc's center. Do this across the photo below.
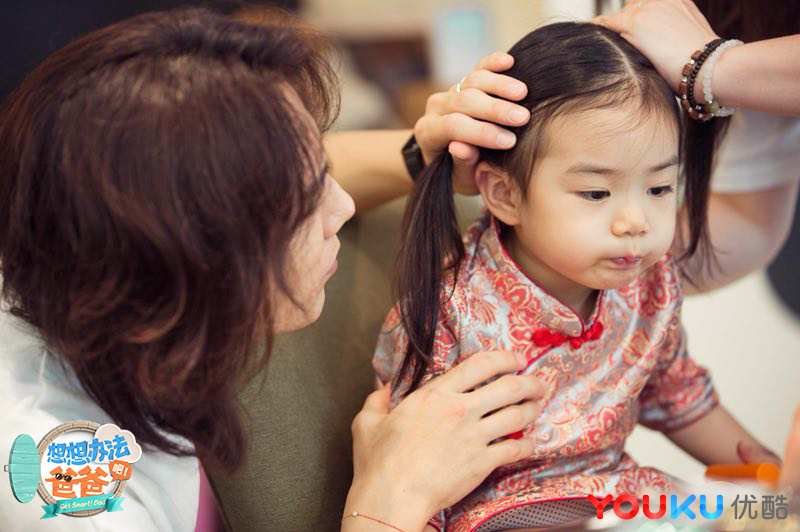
(570, 266)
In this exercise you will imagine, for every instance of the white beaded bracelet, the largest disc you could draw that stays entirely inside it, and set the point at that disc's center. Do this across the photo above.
(714, 108)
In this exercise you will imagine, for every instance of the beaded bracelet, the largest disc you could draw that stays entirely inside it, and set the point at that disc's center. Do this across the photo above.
(688, 75)
(712, 107)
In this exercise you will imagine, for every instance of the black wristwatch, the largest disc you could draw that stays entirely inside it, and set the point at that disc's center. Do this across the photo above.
(412, 156)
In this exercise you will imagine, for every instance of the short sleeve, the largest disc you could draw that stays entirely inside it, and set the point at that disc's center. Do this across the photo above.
(679, 391)
(393, 342)
(759, 151)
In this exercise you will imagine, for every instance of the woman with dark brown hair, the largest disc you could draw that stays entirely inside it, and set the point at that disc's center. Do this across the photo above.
(165, 206)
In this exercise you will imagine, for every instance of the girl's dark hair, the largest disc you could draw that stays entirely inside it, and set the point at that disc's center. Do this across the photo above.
(747, 20)
(152, 174)
(568, 67)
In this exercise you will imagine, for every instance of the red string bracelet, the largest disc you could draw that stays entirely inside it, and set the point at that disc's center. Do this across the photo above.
(357, 514)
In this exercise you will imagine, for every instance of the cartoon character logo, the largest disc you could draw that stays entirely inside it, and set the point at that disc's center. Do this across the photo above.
(78, 468)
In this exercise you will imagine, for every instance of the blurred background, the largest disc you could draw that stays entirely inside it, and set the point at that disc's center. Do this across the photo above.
(394, 54)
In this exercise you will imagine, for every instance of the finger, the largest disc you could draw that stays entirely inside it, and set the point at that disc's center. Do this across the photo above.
(479, 368)
(745, 452)
(510, 419)
(465, 153)
(476, 103)
(496, 84)
(756, 454)
(508, 451)
(465, 161)
(507, 390)
(496, 62)
(440, 131)
(463, 128)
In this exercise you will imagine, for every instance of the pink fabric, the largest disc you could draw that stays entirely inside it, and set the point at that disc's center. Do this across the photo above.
(208, 516)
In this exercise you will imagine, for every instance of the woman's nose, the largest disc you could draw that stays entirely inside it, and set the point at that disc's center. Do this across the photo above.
(340, 208)
(630, 221)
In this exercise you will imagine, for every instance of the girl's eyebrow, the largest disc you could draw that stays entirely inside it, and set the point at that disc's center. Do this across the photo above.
(589, 168)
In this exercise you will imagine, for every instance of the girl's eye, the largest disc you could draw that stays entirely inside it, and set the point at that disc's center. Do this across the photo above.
(594, 195)
(661, 191)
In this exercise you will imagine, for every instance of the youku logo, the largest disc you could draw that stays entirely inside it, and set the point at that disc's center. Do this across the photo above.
(772, 506)
(78, 468)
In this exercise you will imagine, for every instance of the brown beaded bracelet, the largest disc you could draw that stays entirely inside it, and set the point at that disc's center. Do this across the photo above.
(689, 73)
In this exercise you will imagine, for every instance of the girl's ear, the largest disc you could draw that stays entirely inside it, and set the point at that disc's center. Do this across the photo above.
(500, 193)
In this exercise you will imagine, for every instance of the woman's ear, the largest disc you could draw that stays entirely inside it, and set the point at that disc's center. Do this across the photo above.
(500, 193)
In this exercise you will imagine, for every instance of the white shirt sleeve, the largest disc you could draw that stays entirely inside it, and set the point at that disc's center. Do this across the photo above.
(760, 151)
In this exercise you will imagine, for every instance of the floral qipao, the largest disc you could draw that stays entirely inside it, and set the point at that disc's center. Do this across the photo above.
(628, 364)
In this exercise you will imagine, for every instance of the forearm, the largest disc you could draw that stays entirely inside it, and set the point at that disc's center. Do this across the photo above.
(747, 231)
(401, 510)
(713, 439)
(762, 75)
(369, 166)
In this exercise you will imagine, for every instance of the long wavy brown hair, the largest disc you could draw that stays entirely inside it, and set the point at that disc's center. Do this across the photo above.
(152, 174)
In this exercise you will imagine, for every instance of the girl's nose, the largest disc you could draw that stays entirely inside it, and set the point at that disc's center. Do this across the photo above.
(630, 221)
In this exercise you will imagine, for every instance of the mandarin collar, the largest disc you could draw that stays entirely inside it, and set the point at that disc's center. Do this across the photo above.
(521, 291)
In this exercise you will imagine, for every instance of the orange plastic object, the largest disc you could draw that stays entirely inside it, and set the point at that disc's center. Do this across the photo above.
(765, 473)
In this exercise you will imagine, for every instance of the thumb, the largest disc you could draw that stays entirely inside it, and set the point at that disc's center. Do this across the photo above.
(378, 401)
(750, 453)
(465, 159)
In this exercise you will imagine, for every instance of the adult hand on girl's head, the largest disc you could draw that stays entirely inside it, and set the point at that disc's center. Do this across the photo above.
(667, 32)
(460, 120)
(433, 448)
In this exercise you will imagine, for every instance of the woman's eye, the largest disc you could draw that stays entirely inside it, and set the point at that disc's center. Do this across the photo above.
(595, 195)
(661, 191)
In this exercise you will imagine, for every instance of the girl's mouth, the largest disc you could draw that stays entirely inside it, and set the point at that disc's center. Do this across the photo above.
(627, 262)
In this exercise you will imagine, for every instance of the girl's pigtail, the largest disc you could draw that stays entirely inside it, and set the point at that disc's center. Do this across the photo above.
(700, 140)
(431, 246)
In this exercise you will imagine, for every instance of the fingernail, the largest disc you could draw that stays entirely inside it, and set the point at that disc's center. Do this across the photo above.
(516, 89)
(506, 139)
(517, 115)
(521, 359)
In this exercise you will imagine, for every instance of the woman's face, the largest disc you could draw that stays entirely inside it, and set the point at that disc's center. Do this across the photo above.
(312, 258)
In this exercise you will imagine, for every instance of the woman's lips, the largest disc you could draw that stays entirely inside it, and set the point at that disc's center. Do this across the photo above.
(627, 262)
(335, 263)
(333, 268)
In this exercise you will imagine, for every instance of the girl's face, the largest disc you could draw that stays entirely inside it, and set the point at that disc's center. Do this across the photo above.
(601, 203)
